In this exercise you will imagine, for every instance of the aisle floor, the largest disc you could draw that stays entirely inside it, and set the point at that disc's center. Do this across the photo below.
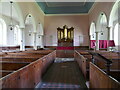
(65, 75)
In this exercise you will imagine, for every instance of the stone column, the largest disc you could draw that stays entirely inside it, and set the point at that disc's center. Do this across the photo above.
(97, 41)
(108, 37)
(34, 35)
(109, 29)
(41, 41)
(22, 39)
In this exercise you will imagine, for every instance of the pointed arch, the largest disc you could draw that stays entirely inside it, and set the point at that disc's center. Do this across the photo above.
(40, 29)
(101, 26)
(114, 17)
(19, 12)
(92, 31)
(3, 32)
(32, 21)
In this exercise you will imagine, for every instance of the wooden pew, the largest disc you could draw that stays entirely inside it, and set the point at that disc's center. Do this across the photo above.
(5, 72)
(8, 67)
(2, 54)
(82, 62)
(15, 60)
(42, 52)
(99, 79)
(24, 56)
(5, 59)
(109, 62)
(83, 58)
(12, 65)
(30, 75)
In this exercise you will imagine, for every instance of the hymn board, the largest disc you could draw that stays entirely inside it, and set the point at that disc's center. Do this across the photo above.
(65, 36)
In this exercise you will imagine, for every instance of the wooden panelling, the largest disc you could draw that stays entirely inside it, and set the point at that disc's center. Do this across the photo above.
(13, 65)
(4, 59)
(9, 48)
(99, 79)
(82, 62)
(65, 53)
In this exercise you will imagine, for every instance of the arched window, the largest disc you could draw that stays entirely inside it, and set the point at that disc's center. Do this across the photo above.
(92, 31)
(102, 27)
(16, 35)
(2, 32)
(116, 34)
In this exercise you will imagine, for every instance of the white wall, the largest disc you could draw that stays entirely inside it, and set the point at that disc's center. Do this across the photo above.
(29, 40)
(10, 33)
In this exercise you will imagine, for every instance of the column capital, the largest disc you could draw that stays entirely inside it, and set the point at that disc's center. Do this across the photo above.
(97, 32)
(108, 27)
(22, 28)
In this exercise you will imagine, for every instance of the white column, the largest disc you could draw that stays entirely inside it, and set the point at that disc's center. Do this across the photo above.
(97, 40)
(22, 39)
(34, 34)
(41, 41)
(108, 37)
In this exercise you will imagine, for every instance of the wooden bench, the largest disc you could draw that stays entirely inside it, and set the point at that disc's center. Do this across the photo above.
(5, 72)
(13, 61)
(83, 58)
(12, 65)
(24, 56)
(30, 75)
(109, 62)
(99, 79)
(5, 59)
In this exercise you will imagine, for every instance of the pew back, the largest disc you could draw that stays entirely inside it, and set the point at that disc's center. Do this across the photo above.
(99, 79)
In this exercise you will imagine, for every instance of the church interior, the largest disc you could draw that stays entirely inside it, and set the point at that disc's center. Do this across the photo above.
(60, 44)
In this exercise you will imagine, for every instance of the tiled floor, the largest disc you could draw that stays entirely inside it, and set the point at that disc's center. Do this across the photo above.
(63, 75)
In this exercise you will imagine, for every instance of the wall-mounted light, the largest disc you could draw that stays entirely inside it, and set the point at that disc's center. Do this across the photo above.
(11, 23)
(29, 34)
(38, 36)
(102, 24)
(93, 35)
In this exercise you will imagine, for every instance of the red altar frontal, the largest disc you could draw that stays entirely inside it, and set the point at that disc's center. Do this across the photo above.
(103, 44)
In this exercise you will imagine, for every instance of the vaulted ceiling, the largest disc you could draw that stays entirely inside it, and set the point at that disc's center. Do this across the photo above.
(65, 7)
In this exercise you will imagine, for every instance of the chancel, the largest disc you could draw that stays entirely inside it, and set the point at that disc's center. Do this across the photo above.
(53, 44)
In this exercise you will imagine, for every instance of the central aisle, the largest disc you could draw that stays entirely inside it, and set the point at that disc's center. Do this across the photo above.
(65, 74)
